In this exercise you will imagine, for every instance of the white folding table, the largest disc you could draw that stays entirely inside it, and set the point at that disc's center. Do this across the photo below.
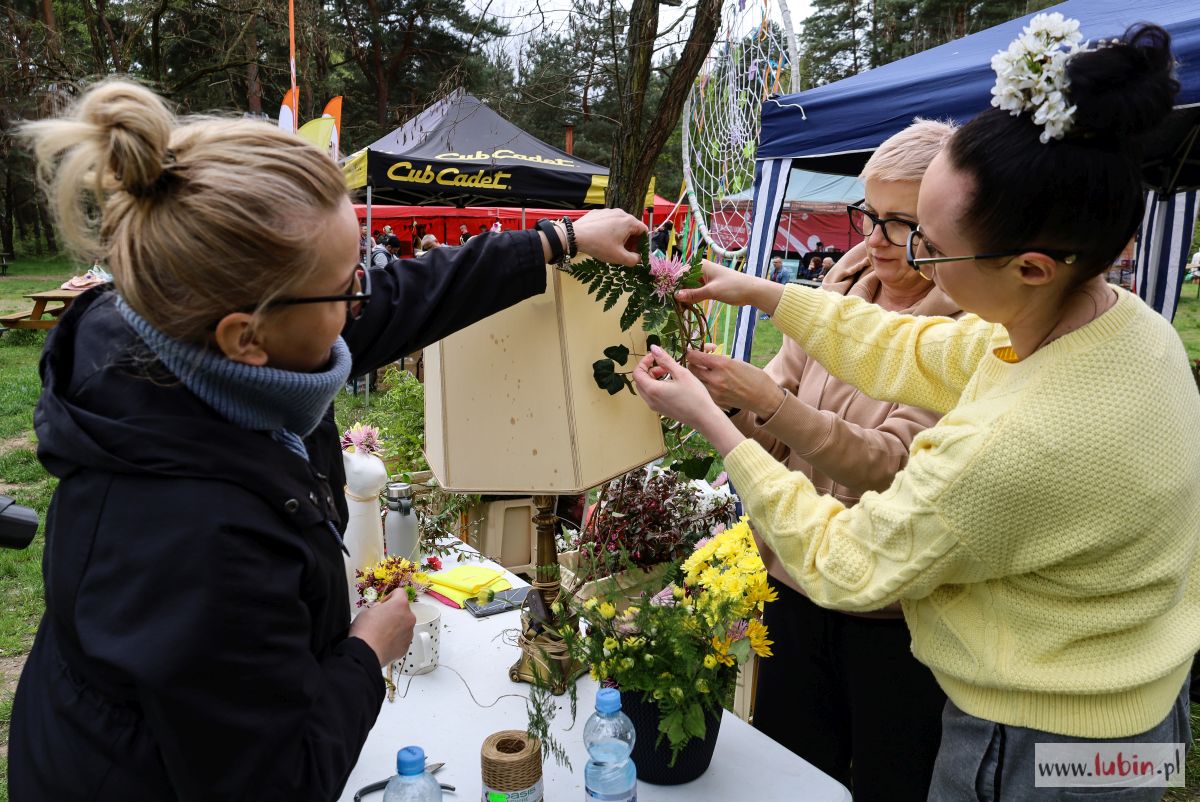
(450, 711)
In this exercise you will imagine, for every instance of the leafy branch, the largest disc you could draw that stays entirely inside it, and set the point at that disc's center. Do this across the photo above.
(650, 299)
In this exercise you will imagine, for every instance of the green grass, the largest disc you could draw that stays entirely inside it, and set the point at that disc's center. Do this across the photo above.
(33, 274)
(767, 341)
(1187, 320)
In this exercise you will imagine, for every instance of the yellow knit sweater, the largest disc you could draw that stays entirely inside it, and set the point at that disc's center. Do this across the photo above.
(1043, 538)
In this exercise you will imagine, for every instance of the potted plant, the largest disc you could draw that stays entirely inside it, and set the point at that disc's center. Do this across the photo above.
(675, 657)
(641, 523)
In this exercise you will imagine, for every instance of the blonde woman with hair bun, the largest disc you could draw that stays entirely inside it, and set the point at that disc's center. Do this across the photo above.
(197, 641)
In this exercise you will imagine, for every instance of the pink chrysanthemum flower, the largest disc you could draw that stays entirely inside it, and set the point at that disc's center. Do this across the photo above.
(664, 598)
(666, 274)
(362, 439)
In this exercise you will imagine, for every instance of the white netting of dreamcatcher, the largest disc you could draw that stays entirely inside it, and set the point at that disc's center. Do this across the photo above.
(753, 57)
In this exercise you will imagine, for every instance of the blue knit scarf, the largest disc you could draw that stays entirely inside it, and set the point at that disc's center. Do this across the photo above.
(286, 403)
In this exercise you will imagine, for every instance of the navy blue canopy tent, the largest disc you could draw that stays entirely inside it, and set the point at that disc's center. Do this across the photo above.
(835, 128)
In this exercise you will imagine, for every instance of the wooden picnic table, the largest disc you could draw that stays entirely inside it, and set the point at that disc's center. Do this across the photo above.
(32, 319)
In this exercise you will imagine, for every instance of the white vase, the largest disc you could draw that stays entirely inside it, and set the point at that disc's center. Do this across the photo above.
(365, 478)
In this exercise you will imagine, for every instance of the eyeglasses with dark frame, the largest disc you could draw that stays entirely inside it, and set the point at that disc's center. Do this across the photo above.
(356, 302)
(917, 239)
(864, 221)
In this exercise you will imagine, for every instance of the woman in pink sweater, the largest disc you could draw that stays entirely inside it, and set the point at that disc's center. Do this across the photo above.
(839, 684)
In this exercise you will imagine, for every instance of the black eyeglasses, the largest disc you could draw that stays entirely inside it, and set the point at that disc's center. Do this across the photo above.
(917, 243)
(356, 296)
(895, 229)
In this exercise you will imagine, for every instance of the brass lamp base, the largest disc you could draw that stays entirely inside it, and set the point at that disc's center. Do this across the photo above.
(542, 663)
(544, 657)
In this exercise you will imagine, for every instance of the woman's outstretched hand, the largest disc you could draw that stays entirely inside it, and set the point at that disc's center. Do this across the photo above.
(670, 389)
(735, 384)
(610, 235)
(734, 288)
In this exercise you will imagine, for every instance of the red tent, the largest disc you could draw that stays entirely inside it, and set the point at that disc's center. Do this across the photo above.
(443, 221)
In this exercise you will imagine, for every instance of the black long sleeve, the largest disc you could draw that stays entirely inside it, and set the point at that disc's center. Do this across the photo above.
(419, 301)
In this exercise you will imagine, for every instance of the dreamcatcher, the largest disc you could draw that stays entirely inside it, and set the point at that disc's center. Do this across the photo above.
(752, 58)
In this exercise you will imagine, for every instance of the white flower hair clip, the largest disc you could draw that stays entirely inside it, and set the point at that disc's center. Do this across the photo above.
(1031, 75)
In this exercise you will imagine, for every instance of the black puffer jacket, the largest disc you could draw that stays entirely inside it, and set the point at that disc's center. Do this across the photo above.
(194, 644)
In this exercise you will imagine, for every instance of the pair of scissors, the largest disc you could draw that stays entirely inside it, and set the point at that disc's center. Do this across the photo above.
(432, 768)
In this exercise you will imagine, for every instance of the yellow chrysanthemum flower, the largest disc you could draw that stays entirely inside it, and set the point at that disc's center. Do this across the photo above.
(710, 662)
(607, 610)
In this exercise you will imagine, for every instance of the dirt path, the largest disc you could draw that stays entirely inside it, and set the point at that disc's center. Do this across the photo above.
(13, 443)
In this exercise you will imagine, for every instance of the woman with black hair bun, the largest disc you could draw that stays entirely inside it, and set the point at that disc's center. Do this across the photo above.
(1043, 539)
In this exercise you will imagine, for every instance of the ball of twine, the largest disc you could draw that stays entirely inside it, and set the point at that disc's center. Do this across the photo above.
(512, 761)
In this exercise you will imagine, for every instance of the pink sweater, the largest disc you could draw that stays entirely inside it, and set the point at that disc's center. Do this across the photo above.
(845, 442)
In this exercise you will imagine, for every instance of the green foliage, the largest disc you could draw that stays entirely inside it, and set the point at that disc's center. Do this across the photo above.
(399, 414)
(1187, 319)
(844, 37)
(681, 647)
(643, 521)
(608, 283)
(541, 706)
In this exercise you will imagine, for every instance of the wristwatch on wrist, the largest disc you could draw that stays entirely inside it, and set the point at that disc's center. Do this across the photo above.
(556, 246)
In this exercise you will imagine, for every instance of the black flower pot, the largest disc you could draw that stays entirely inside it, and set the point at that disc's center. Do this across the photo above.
(653, 762)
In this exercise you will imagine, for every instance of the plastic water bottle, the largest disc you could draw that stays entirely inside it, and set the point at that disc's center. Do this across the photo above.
(412, 783)
(610, 775)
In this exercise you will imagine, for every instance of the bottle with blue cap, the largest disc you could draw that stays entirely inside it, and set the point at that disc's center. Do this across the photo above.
(412, 783)
(610, 775)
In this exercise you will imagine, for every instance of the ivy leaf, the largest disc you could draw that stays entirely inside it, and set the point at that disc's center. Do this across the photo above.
(603, 368)
(613, 383)
(653, 339)
(617, 353)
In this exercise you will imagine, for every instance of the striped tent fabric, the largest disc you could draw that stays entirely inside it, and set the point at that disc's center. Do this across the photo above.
(1163, 249)
(770, 187)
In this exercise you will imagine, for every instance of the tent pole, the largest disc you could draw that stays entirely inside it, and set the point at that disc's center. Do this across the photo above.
(522, 218)
(367, 396)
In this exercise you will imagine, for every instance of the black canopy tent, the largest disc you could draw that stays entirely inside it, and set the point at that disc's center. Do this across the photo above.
(458, 152)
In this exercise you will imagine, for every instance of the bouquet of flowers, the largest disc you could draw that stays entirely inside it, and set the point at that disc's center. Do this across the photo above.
(390, 574)
(682, 648)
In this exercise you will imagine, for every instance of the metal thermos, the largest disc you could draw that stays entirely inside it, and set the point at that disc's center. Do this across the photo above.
(400, 535)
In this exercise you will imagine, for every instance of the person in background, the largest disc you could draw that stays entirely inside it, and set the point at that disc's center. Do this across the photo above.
(778, 275)
(428, 243)
(483, 229)
(661, 240)
(1051, 611)
(197, 641)
(387, 250)
(826, 266)
(463, 234)
(366, 244)
(497, 227)
(838, 683)
(817, 253)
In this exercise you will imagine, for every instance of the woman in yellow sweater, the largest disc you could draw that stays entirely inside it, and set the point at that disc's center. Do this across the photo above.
(1043, 538)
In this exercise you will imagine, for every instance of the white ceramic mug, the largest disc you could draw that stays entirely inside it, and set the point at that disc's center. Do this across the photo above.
(422, 656)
